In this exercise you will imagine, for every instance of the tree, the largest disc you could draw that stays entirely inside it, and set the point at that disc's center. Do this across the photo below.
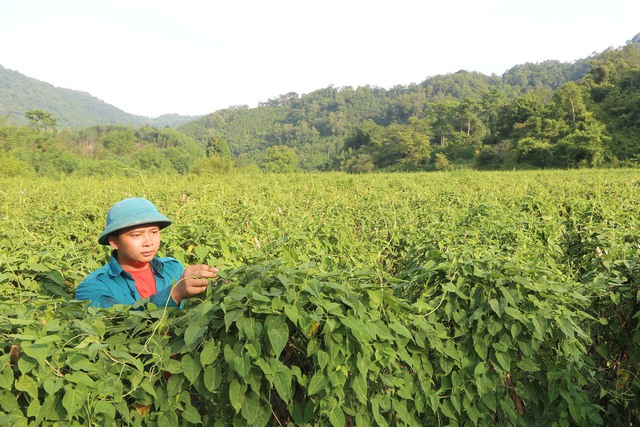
(568, 102)
(215, 165)
(216, 146)
(442, 163)
(414, 147)
(491, 103)
(535, 152)
(181, 160)
(152, 159)
(40, 119)
(584, 146)
(461, 147)
(280, 158)
(11, 166)
(620, 109)
(358, 163)
(468, 111)
(443, 116)
(495, 156)
(520, 110)
(119, 143)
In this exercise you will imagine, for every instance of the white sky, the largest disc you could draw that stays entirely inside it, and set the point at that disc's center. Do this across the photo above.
(153, 57)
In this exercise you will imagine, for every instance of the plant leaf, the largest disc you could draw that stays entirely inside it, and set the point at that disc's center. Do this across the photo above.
(236, 394)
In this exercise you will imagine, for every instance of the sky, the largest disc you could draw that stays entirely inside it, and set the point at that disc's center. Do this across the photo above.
(193, 57)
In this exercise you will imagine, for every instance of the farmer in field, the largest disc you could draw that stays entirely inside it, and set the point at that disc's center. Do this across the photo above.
(134, 271)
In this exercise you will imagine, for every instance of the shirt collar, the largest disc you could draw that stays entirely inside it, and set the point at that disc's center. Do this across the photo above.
(115, 269)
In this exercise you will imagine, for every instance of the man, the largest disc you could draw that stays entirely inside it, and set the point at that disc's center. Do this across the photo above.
(134, 271)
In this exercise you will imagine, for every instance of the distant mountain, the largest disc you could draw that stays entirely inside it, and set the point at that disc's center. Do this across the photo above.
(316, 124)
(71, 108)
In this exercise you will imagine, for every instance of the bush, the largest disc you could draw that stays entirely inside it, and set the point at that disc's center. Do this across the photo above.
(12, 167)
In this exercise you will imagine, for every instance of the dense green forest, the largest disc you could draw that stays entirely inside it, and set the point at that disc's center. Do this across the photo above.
(542, 115)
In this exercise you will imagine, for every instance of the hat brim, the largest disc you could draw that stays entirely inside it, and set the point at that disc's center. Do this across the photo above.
(132, 221)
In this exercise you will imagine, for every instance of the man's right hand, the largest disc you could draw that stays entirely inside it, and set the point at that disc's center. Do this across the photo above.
(195, 280)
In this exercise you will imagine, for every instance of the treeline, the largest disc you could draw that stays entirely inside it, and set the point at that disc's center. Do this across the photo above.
(97, 150)
(546, 115)
(543, 115)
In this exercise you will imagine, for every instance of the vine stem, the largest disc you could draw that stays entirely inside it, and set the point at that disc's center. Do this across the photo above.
(444, 295)
(164, 311)
(439, 304)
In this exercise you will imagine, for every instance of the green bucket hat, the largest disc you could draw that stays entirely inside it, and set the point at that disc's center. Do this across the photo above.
(129, 212)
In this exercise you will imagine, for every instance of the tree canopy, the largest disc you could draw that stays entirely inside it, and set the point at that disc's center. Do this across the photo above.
(545, 115)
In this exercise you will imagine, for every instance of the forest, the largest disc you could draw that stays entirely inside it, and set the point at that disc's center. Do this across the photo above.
(535, 116)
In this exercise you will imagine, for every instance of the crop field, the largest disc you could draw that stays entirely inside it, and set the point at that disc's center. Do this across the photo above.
(427, 299)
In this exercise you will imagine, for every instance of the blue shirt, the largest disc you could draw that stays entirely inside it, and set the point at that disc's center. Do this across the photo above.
(110, 284)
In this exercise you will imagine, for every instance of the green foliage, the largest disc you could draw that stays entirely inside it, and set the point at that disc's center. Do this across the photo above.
(40, 119)
(152, 160)
(119, 143)
(279, 158)
(466, 298)
(498, 156)
(618, 108)
(395, 147)
(11, 167)
(358, 163)
(442, 163)
(547, 74)
(461, 146)
(332, 128)
(535, 152)
(545, 115)
(212, 165)
(292, 345)
(100, 150)
(216, 146)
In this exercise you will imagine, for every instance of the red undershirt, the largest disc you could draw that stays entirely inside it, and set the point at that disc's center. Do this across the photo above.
(145, 282)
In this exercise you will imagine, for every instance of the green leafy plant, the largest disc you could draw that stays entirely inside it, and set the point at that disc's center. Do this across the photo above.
(404, 299)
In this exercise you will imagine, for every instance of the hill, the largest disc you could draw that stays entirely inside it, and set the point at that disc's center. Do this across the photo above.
(536, 115)
(71, 108)
(317, 124)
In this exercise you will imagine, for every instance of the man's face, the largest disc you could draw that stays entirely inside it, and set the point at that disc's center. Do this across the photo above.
(137, 245)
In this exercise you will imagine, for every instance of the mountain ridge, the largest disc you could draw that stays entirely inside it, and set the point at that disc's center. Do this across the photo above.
(71, 108)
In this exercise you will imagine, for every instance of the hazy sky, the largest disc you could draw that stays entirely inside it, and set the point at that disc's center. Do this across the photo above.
(152, 57)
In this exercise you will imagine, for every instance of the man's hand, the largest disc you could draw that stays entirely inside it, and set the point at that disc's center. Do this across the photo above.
(194, 281)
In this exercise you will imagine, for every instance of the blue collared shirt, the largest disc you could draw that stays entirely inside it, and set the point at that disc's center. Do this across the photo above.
(110, 284)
